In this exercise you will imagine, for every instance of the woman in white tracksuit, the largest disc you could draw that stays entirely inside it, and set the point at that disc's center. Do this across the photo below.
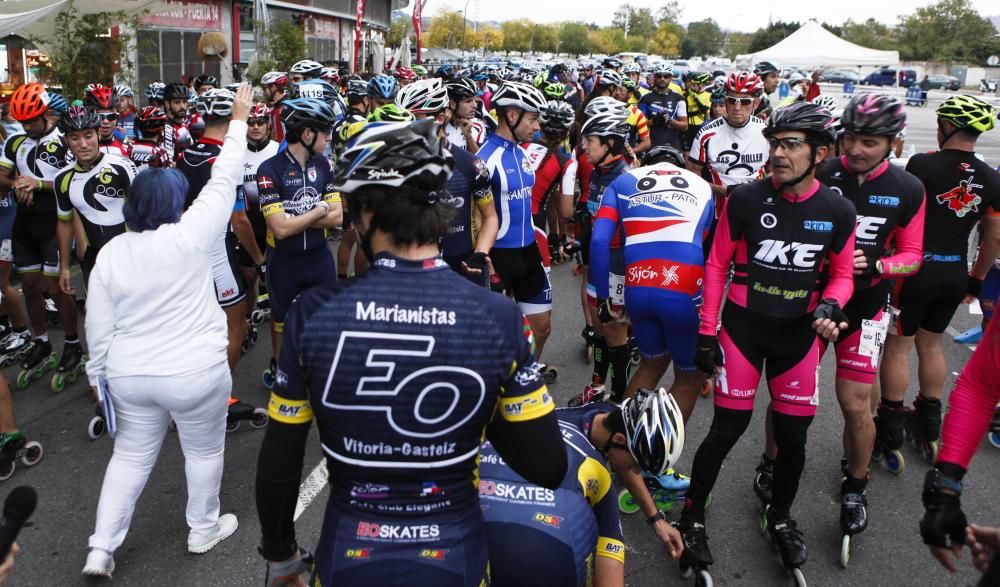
(158, 338)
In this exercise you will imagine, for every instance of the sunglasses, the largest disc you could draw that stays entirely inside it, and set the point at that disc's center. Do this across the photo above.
(788, 144)
(257, 122)
(741, 101)
(661, 75)
(108, 116)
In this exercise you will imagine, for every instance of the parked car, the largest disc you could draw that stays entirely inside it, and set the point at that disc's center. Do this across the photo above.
(943, 82)
(887, 77)
(840, 76)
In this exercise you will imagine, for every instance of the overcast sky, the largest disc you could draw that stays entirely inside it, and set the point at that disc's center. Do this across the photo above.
(740, 15)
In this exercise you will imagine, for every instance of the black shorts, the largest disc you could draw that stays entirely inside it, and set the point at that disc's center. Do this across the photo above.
(929, 299)
(455, 262)
(35, 246)
(522, 273)
(244, 257)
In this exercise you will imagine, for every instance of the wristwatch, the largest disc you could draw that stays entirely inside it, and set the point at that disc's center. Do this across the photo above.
(659, 515)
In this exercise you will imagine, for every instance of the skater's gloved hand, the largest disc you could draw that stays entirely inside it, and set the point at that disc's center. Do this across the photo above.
(289, 572)
(604, 311)
(830, 319)
(975, 287)
(475, 262)
(943, 526)
(708, 356)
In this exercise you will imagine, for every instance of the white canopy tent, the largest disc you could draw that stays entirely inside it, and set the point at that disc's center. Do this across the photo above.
(814, 46)
(35, 19)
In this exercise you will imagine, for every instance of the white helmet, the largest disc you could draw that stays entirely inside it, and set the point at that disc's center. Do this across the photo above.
(307, 67)
(426, 96)
(826, 101)
(795, 77)
(519, 95)
(607, 124)
(663, 68)
(216, 103)
(632, 68)
(274, 77)
(654, 429)
(604, 105)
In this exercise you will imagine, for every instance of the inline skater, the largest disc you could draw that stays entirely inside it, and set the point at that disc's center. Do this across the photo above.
(14, 335)
(464, 130)
(381, 91)
(154, 94)
(555, 175)
(299, 204)
(698, 102)
(204, 83)
(776, 316)
(105, 101)
(633, 71)
(176, 136)
(273, 84)
(354, 119)
(515, 255)
(464, 249)
(961, 191)
(665, 213)
(638, 138)
(13, 443)
(770, 78)
(126, 112)
(31, 161)
(147, 151)
(380, 505)
(665, 109)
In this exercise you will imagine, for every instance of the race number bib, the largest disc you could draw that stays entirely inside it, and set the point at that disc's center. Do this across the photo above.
(873, 337)
(616, 289)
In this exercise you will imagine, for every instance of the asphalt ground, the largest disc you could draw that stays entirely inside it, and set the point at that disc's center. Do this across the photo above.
(68, 481)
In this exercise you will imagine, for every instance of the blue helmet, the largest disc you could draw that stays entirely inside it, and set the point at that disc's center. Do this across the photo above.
(58, 103)
(309, 113)
(383, 86)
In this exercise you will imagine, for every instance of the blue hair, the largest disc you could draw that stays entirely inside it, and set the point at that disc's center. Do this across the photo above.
(155, 198)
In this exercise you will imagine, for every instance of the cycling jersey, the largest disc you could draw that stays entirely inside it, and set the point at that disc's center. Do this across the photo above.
(277, 127)
(571, 525)
(890, 208)
(195, 125)
(113, 146)
(699, 104)
(512, 180)
(732, 155)
(660, 108)
(403, 387)
(39, 159)
(146, 154)
(256, 154)
(638, 125)
(175, 139)
(457, 138)
(468, 185)
(126, 125)
(555, 174)
(286, 187)
(98, 196)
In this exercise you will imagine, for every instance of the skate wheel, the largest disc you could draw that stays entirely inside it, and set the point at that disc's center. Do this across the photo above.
(995, 439)
(895, 462)
(574, 402)
(588, 354)
(550, 375)
(23, 379)
(32, 453)
(845, 551)
(254, 336)
(58, 382)
(800, 579)
(877, 455)
(259, 418)
(268, 379)
(708, 501)
(930, 451)
(762, 522)
(703, 579)
(232, 425)
(96, 428)
(626, 503)
(6, 470)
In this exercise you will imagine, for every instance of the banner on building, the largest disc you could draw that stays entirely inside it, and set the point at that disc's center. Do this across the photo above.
(418, 8)
(357, 33)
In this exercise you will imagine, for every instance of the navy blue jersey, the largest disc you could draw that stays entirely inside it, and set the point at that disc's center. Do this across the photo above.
(571, 524)
(582, 418)
(468, 185)
(286, 187)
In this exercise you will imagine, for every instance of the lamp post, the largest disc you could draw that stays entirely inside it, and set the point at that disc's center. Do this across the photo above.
(464, 19)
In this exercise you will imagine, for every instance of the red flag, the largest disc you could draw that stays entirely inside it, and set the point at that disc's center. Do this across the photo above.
(418, 7)
(357, 32)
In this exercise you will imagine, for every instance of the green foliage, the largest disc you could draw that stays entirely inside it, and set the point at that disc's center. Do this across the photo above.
(950, 30)
(704, 38)
(573, 39)
(84, 52)
(286, 43)
(399, 29)
(445, 30)
(870, 33)
(772, 34)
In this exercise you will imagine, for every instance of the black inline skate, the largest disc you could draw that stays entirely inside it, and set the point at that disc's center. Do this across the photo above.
(923, 426)
(995, 428)
(853, 519)
(549, 373)
(763, 481)
(889, 433)
(14, 446)
(14, 347)
(72, 365)
(239, 411)
(251, 336)
(697, 557)
(38, 360)
(787, 541)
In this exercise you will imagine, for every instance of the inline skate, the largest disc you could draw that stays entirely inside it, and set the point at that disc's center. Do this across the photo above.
(923, 426)
(995, 428)
(251, 336)
(889, 433)
(14, 346)
(98, 426)
(853, 518)
(263, 310)
(38, 360)
(591, 393)
(763, 480)
(667, 490)
(14, 446)
(72, 365)
(549, 373)
(239, 411)
(787, 541)
(697, 557)
(52, 313)
(270, 373)
(588, 335)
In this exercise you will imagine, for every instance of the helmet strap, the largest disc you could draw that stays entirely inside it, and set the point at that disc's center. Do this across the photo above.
(946, 135)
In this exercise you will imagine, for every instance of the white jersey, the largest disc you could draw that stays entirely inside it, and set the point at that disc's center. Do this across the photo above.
(732, 155)
(251, 162)
(457, 138)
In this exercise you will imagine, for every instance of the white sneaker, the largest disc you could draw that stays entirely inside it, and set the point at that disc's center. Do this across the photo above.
(99, 563)
(202, 543)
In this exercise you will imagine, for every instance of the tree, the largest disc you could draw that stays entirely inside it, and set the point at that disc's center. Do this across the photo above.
(665, 41)
(544, 38)
(516, 35)
(669, 12)
(640, 22)
(83, 52)
(285, 44)
(445, 30)
(399, 29)
(870, 33)
(735, 43)
(950, 30)
(490, 38)
(704, 38)
(773, 33)
(573, 39)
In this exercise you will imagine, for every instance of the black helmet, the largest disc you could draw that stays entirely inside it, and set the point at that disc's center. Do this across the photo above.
(310, 113)
(175, 91)
(79, 118)
(874, 114)
(815, 121)
(461, 88)
(557, 117)
(610, 78)
(765, 67)
(664, 154)
(206, 80)
(612, 63)
(396, 155)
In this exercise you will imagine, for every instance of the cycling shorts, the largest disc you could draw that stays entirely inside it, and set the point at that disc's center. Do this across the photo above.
(230, 287)
(522, 273)
(929, 299)
(361, 549)
(585, 230)
(859, 348)
(35, 248)
(664, 322)
(243, 257)
(8, 213)
(455, 262)
(789, 349)
(514, 559)
(291, 273)
(616, 281)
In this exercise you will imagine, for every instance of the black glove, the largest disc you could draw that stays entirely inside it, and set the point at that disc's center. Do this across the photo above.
(708, 356)
(476, 261)
(870, 271)
(943, 516)
(829, 309)
(975, 286)
(604, 313)
(279, 572)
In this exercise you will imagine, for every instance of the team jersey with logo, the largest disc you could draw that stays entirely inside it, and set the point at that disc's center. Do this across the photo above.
(778, 244)
(98, 195)
(571, 524)
(961, 189)
(468, 185)
(39, 159)
(113, 146)
(457, 138)
(196, 164)
(176, 138)
(637, 124)
(553, 170)
(512, 179)
(890, 208)
(285, 187)
(658, 109)
(126, 124)
(256, 154)
(149, 154)
(666, 213)
(600, 179)
(732, 155)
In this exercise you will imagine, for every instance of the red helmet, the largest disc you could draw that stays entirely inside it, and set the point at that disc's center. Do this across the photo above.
(151, 119)
(274, 78)
(29, 101)
(404, 73)
(744, 82)
(330, 74)
(259, 110)
(101, 97)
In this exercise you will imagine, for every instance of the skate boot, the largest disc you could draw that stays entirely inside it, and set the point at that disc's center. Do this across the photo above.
(697, 557)
(270, 373)
(853, 519)
(787, 540)
(995, 428)
(549, 373)
(72, 365)
(588, 335)
(591, 393)
(14, 446)
(263, 310)
(763, 480)
(38, 360)
(889, 433)
(239, 411)
(251, 337)
(15, 346)
(924, 426)
(52, 313)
